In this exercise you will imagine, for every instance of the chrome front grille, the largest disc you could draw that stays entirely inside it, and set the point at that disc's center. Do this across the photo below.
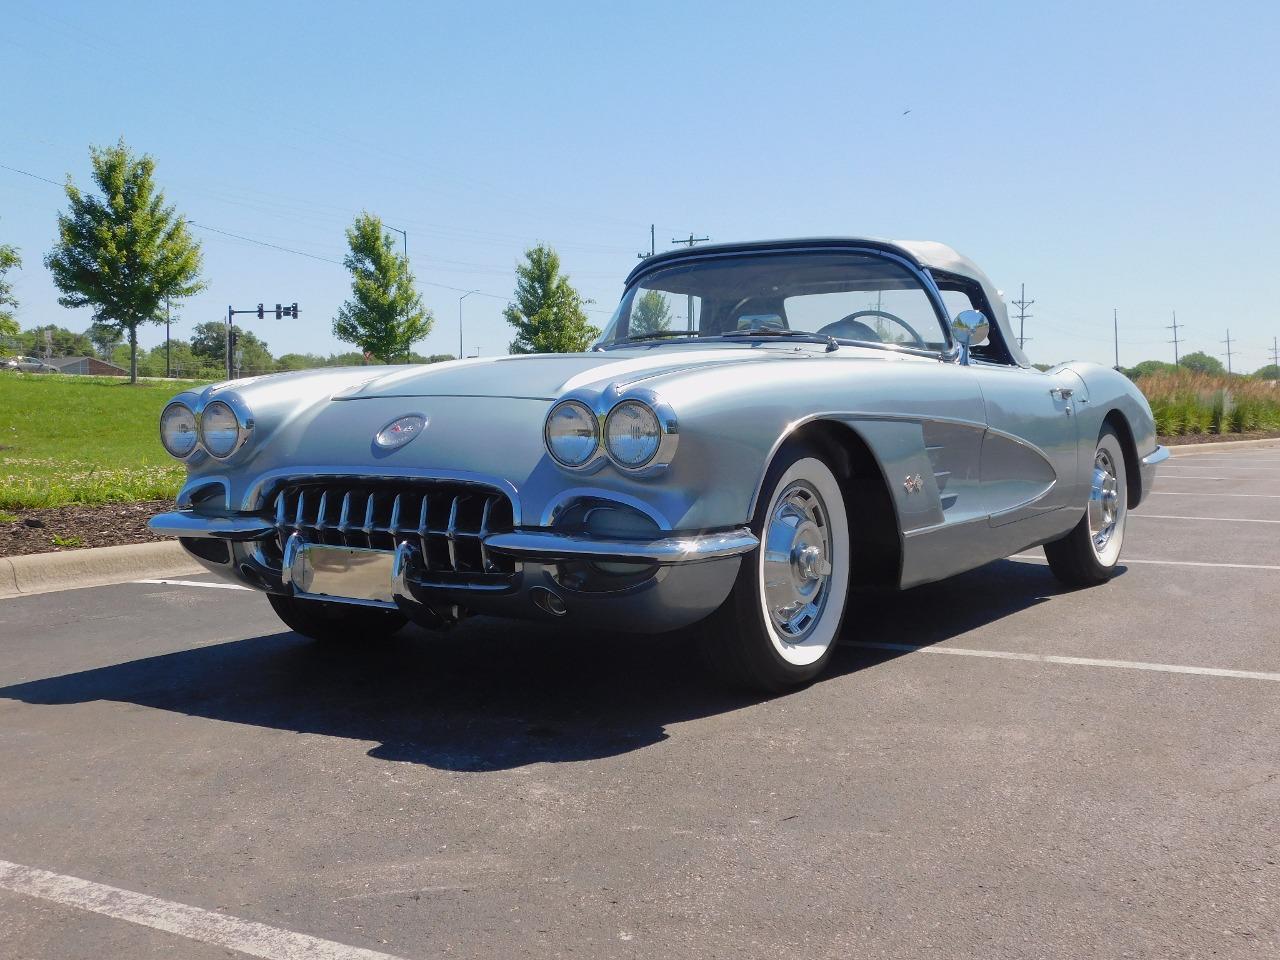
(447, 521)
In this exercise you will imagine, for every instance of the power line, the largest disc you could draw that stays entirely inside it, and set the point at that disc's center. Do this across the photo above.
(1174, 327)
(28, 173)
(1022, 303)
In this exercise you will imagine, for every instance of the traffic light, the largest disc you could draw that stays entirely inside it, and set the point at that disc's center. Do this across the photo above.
(277, 311)
(260, 311)
(293, 311)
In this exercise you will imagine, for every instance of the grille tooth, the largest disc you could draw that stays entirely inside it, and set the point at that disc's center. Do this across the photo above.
(344, 516)
(300, 518)
(452, 533)
(485, 563)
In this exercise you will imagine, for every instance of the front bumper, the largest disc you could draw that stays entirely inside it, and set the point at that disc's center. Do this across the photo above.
(1147, 469)
(671, 581)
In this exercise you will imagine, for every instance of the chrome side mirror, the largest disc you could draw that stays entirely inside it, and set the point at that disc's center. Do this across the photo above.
(969, 328)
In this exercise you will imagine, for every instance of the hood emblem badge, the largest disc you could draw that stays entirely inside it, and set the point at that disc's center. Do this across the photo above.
(400, 431)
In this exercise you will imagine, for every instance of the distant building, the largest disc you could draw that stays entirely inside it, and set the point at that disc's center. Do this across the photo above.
(89, 366)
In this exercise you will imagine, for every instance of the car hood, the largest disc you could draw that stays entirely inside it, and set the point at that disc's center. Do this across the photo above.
(548, 376)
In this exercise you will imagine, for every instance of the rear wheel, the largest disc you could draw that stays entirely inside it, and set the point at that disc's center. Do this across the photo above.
(778, 627)
(1088, 555)
(335, 622)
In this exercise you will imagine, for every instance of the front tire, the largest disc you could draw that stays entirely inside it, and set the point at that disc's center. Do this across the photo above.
(779, 625)
(1089, 554)
(335, 622)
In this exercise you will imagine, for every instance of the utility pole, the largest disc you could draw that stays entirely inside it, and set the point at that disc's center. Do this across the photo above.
(689, 243)
(1174, 327)
(1115, 327)
(1022, 303)
(653, 246)
(1228, 343)
(1275, 351)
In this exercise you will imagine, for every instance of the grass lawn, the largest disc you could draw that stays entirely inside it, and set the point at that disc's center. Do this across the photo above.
(90, 440)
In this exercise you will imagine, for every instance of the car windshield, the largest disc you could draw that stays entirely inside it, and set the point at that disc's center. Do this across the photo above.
(851, 297)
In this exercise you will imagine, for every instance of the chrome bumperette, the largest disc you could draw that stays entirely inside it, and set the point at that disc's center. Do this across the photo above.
(549, 546)
(1156, 457)
(187, 523)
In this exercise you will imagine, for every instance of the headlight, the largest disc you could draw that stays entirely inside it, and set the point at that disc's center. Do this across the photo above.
(178, 430)
(572, 433)
(220, 430)
(632, 434)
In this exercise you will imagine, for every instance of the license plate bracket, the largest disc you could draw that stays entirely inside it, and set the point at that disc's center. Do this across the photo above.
(344, 574)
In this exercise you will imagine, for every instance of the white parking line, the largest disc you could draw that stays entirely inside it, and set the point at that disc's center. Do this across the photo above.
(1073, 661)
(1192, 493)
(1166, 516)
(194, 923)
(1165, 563)
(1185, 476)
(212, 585)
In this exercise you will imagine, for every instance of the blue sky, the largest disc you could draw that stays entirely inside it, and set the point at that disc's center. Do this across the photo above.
(1108, 155)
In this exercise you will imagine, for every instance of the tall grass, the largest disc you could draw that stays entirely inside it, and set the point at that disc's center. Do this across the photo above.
(1189, 403)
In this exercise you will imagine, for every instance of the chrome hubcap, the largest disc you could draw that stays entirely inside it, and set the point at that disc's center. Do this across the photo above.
(1104, 501)
(797, 561)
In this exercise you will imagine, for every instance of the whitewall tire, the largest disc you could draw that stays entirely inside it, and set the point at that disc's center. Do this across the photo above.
(781, 622)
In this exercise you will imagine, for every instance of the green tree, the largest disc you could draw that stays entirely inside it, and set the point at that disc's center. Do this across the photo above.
(1270, 372)
(548, 312)
(299, 361)
(651, 313)
(124, 251)
(385, 315)
(9, 260)
(209, 345)
(1147, 367)
(105, 338)
(1200, 362)
(57, 341)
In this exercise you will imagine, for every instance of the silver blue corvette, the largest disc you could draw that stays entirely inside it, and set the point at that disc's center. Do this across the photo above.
(761, 428)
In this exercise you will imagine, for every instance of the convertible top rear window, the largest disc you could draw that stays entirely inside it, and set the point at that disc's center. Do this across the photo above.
(853, 297)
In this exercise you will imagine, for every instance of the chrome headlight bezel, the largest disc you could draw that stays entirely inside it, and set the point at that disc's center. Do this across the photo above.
(243, 421)
(668, 438)
(195, 430)
(601, 407)
(645, 411)
(591, 417)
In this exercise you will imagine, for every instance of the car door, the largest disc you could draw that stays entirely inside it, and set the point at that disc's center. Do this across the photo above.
(1029, 454)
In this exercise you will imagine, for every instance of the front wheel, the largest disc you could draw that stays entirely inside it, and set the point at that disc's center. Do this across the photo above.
(1088, 555)
(778, 627)
(335, 622)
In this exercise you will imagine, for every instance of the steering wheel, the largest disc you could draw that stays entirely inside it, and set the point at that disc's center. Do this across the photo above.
(852, 327)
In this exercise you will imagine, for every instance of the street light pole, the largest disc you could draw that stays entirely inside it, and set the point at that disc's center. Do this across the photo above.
(460, 299)
(406, 241)
(168, 364)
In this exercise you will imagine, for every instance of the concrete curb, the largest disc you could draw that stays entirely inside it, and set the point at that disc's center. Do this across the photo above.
(1203, 449)
(97, 567)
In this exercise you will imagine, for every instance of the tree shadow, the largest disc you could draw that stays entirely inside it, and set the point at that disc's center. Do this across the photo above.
(492, 695)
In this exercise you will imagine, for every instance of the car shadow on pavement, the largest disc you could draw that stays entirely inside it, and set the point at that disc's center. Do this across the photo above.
(490, 695)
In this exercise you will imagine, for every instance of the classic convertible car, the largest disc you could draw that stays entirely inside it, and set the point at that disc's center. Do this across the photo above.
(761, 428)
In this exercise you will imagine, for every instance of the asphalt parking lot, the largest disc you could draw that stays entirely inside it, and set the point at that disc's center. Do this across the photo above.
(1052, 774)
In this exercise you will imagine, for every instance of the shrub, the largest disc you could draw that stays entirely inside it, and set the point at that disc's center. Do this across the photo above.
(1184, 402)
